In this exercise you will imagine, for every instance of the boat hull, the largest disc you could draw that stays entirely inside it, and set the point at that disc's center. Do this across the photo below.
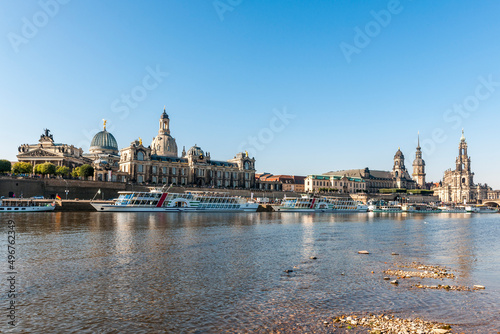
(278, 208)
(24, 209)
(250, 207)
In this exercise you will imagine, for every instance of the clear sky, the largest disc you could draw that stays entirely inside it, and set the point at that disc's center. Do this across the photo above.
(305, 86)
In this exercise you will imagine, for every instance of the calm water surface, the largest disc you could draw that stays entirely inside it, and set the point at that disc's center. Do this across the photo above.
(208, 273)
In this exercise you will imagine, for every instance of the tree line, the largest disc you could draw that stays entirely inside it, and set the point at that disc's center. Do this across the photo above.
(20, 168)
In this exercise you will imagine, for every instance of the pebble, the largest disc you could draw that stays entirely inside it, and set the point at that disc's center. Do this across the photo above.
(289, 271)
(394, 253)
(440, 331)
(313, 257)
(363, 252)
(478, 287)
(395, 282)
(387, 278)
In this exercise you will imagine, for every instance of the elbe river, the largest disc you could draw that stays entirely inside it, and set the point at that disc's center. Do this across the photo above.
(90, 272)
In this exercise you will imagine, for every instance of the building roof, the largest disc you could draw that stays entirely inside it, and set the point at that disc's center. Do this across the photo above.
(103, 140)
(195, 150)
(336, 177)
(362, 173)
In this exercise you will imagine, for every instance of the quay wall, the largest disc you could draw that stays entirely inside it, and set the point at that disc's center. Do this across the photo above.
(84, 190)
(78, 189)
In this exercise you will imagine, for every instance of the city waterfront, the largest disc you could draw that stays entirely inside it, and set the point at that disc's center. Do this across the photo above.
(209, 273)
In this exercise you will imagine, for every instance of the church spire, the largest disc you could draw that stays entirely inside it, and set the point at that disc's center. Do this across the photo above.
(463, 136)
(419, 166)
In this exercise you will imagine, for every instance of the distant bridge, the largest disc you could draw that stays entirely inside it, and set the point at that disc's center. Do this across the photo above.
(491, 202)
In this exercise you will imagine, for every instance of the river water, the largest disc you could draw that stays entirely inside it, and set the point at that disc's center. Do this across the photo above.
(210, 273)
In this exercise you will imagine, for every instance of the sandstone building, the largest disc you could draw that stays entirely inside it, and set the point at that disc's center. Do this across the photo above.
(373, 179)
(419, 167)
(458, 184)
(48, 151)
(160, 163)
(103, 153)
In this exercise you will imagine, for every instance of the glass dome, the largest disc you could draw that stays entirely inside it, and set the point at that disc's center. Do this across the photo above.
(104, 140)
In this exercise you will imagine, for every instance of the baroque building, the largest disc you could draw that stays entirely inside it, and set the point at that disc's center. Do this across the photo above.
(419, 167)
(340, 184)
(48, 151)
(160, 163)
(378, 179)
(103, 153)
(458, 185)
(268, 181)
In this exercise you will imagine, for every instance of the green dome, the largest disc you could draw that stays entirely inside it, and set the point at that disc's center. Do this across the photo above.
(104, 140)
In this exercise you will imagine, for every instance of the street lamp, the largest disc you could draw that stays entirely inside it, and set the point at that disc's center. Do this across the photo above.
(66, 191)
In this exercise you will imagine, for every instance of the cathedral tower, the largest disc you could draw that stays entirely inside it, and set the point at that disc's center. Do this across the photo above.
(463, 161)
(163, 144)
(419, 167)
(399, 170)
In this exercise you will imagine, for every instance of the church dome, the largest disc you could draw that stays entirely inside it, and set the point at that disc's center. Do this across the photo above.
(399, 154)
(103, 140)
(164, 145)
(418, 162)
(195, 150)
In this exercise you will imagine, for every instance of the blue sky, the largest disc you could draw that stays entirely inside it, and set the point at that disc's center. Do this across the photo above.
(270, 77)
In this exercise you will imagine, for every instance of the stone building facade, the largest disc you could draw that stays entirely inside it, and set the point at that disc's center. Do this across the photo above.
(458, 184)
(342, 184)
(48, 151)
(159, 164)
(378, 179)
(103, 153)
(419, 168)
(268, 181)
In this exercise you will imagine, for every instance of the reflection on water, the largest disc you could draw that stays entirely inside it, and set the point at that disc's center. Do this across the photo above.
(145, 272)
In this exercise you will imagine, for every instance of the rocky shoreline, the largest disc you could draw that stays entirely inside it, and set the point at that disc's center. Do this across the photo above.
(389, 324)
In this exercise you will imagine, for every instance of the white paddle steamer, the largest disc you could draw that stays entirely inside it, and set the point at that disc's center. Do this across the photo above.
(194, 201)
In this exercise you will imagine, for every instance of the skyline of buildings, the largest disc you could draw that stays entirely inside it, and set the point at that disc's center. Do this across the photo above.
(160, 163)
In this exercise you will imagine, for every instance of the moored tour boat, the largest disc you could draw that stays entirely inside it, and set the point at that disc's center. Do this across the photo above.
(14, 206)
(383, 206)
(420, 208)
(308, 203)
(388, 209)
(194, 201)
(453, 209)
(480, 209)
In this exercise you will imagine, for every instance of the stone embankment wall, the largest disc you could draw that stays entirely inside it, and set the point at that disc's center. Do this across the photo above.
(50, 187)
(82, 190)
(88, 189)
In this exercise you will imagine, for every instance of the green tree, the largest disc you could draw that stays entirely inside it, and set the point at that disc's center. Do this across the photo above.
(62, 170)
(5, 166)
(86, 171)
(46, 169)
(75, 172)
(22, 168)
